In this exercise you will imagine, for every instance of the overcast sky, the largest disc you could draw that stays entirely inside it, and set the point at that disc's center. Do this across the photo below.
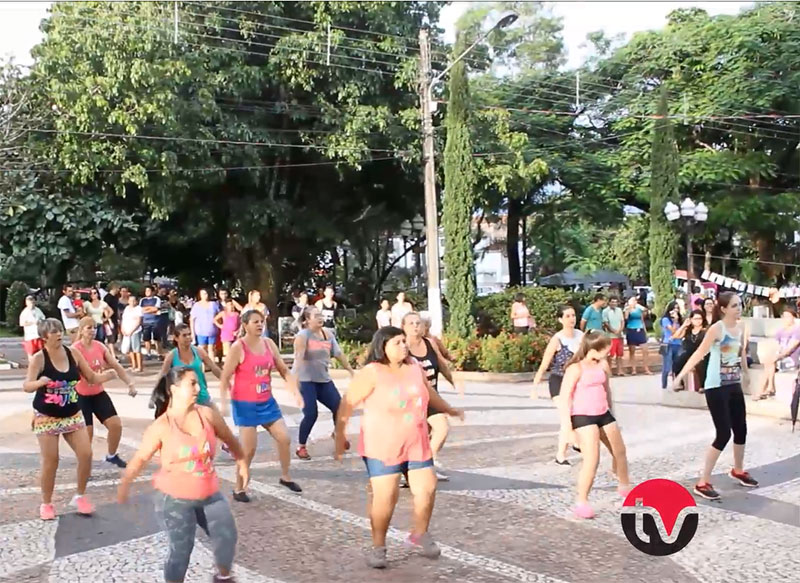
(19, 21)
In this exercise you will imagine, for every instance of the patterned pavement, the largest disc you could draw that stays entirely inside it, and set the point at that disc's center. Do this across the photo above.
(503, 516)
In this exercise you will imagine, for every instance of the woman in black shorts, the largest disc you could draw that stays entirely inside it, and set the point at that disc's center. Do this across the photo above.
(559, 351)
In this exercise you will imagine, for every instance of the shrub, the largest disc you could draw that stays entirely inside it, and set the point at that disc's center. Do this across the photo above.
(359, 329)
(356, 353)
(15, 303)
(511, 352)
(465, 352)
(494, 311)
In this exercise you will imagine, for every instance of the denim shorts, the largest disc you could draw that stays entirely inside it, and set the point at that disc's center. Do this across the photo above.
(377, 468)
(207, 340)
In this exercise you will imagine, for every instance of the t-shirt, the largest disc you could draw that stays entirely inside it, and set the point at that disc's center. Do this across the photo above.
(615, 319)
(65, 305)
(786, 337)
(151, 302)
(384, 318)
(31, 332)
(96, 313)
(593, 317)
(314, 367)
(129, 317)
(666, 335)
(398, 313)
(203, 319)
(163, 310)
(113, 303)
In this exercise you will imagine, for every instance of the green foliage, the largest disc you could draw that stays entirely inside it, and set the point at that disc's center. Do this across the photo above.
(355, 351)
(459, 199)
(494, 311)
(618, 248)
(511, 352)
(664, 188)
(464, 350)
(15, 303)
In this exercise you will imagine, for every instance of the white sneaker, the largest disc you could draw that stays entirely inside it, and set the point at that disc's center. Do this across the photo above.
(440, 475)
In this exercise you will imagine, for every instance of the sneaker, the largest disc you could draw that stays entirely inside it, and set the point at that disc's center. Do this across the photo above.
(564, 462)
(293, 486)
(84, 506)
(241, 496)
(744, 478)
(226, 449)
(47, 512)
(302, 453)
(221, 579)
(441, 476)
(116, 460)
(706, 491)
(376, 558)
(624, 491)
(575, 448)
(583, 511)
(425, 543)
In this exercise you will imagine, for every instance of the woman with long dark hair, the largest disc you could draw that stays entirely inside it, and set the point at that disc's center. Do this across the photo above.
(195, 358)
(726, 343)
(671, 322)
(691, 333)
(394, 438)
(185, 435)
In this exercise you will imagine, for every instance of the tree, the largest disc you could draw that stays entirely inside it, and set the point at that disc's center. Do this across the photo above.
(459, 201)
(663, 188)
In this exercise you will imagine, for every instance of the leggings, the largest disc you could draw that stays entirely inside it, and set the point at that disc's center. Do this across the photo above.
(181, 517)
(327, 394)
(726, 405)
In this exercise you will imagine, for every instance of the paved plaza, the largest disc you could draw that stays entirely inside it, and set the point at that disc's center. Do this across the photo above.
(504, 515)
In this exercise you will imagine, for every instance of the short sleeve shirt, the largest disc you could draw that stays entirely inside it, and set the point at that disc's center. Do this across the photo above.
(593, 317)
(615, 319)
(65, 305)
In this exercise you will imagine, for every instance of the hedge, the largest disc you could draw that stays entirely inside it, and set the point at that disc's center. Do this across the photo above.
(494, 311)
(15, 303)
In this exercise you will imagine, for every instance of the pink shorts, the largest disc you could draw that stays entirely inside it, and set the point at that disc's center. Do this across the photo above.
(616, 348)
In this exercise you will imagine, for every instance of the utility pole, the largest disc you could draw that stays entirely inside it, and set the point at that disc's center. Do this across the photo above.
(431, 213)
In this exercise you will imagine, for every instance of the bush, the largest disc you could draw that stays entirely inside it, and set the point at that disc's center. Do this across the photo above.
(359, 329)
(465, 352)
(356, 353)
(511, 352)
(15, 303)
(494, 311)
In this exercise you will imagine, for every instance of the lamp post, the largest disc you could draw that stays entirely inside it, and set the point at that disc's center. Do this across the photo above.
(689, 216)
(426, 84)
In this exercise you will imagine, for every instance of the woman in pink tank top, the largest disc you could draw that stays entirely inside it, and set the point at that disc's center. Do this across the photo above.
(394, 437)
(249, 364)
(186, 435)
(94, 400)
(586, 409)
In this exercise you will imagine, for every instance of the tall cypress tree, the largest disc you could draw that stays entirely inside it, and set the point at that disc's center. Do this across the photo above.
(663, 188)
(459, 200)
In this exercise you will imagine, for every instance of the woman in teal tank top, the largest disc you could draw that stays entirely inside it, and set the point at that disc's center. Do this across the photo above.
(726, 342)
(184, 354)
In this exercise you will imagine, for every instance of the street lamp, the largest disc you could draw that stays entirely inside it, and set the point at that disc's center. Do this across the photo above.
(426, 84)
(689, 216)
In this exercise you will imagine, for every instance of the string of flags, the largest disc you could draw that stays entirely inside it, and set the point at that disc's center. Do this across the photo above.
(749, 288)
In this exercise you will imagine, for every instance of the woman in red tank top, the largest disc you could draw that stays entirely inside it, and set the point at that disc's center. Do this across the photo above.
(185, 434)
(394, 438)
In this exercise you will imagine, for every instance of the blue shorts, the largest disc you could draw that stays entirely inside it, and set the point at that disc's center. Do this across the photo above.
(207, 340)
(377, 468)
(253, 414)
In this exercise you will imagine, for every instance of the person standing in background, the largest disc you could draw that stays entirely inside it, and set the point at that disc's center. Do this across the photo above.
(112, 299)
(70, 315)
(29, 319)
(328, 308)
(521, 316)
(384, 316)
(150, 305)
(614, 324)
(400, 309)
(592, 318)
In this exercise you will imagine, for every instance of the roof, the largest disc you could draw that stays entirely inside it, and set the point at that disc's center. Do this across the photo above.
(571, 277)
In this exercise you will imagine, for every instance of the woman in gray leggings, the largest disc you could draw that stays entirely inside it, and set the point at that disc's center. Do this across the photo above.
(188, 486)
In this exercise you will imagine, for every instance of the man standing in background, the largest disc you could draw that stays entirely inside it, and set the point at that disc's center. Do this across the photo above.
(614, 322)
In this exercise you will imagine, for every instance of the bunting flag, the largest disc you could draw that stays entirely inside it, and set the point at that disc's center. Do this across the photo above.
(768, 292)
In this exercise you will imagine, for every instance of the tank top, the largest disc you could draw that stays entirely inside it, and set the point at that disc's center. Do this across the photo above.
(199, 370)
(252, 380)
(187, 469)
(635, 320)
(567, 349)
(97, 313)
(59, 398)
(230, 326)
(429, 363)
(328, 315)
(589, 397)
(95, 355)
(394, 425)
(725, 362)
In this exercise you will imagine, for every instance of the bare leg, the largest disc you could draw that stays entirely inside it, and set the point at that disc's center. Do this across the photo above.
(48, 447)
(280, 434)
(632, 357)
(738, 457)
(589, 436)
(80, 444)
(712, 455)
(114, 426)
(645, 359)
(563, 436)
(612, 435)
(423, 488)
(384, 499)
(439, 430)
(249, 438)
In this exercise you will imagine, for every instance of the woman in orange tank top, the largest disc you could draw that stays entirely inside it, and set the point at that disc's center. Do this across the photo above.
(185, 434)
(394, 438)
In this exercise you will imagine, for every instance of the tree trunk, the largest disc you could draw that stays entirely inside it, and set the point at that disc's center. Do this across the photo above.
(512, 241)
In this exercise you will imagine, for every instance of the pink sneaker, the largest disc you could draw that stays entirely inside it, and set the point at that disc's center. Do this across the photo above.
(583, 511)
(624, 491)
(47, 512)
(84, 506)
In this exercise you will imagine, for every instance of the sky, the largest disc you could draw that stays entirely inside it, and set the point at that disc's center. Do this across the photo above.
(19, 21)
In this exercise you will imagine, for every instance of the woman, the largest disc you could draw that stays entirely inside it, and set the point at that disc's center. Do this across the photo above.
(228, 323)
(201, 321)
(384, 316)
(692, 333)
(297, 309)
(709, 311)
(100, 312)
(94, 400)
(254, 303)
(561, 348)
(328, 307)
(188, 487)
(587, 411)
(394, 438)
(29, 319)
(785, 358)
(53, 373)
(250, 363)
(426, 332)
(432, 362)
(521, 316)
(636, 334)
(313, 348)
(131, 328)
(726, 342)
(671, 322)
(187, 356)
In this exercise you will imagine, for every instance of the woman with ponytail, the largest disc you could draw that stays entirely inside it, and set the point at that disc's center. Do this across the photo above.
(188, 486)
(586, 409)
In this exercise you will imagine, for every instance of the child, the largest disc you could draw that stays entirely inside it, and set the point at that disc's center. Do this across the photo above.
(586, 408)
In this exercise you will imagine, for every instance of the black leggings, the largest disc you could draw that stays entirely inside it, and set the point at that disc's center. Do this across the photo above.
(726, 405)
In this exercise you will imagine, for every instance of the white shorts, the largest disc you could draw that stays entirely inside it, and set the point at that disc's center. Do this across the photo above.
(132, 343)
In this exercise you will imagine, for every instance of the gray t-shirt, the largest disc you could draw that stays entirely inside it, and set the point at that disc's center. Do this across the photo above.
(314, 366)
